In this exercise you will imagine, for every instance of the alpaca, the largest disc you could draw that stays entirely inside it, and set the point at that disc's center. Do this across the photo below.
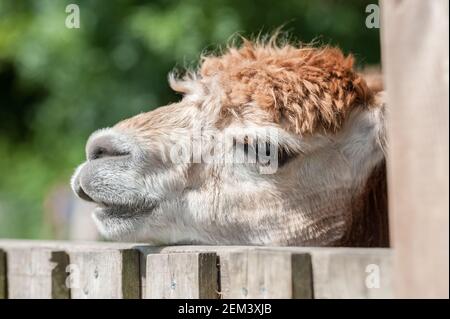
(305, 135)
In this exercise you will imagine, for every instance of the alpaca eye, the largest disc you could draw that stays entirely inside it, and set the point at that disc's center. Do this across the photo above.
(284, 156)
(98, 153)
(263, 153)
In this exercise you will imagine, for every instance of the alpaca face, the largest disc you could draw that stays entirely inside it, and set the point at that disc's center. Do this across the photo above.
(230, 165)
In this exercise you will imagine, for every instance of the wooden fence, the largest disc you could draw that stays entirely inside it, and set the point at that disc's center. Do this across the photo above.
(45, 269)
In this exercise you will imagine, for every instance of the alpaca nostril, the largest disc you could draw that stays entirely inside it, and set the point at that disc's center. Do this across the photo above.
(82, 194)
(104, 146)
(99, 152)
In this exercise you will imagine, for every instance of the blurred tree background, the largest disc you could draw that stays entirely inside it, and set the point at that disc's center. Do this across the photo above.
(57, 85)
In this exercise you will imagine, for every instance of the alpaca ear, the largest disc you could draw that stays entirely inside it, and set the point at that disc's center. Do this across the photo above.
(187, 85)
(380, 103)
(362, 140)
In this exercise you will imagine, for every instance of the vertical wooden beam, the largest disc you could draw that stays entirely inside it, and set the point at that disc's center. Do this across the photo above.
(2, 274)
(416, 66)
(352, 273)
(266, 274)
(182, 275)
(37, 274)
(104, 274)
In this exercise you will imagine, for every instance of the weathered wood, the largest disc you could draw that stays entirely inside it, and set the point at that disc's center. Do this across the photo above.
(67, 245)
(352, 273)
(266, 274)
(245, 271)
(415, 52)
(37, 274)
(2, 274)
(111, 274)
(182, 275)
(84, 246)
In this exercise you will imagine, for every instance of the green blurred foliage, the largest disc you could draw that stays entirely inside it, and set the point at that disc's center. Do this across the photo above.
(57, 85)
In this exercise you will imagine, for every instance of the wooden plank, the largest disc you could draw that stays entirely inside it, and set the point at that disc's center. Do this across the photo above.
(37, 274)
(2, 274)
(265, 274)
(71, 247)
(415, 52)
(182, 275)
(105, 274)
(65, 244)
(352, 273)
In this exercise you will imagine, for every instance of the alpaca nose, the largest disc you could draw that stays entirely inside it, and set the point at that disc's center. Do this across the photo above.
(105, 146)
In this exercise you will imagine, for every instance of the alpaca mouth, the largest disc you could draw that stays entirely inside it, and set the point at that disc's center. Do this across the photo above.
(114, 209)
(124, 211)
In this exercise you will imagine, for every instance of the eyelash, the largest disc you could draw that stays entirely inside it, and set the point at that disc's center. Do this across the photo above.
(284, 156)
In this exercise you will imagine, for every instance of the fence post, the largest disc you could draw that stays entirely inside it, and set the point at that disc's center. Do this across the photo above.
(352, 273)
(416, 68)
(105, 274)
(182, 275)
(266, 274)
(36, 274)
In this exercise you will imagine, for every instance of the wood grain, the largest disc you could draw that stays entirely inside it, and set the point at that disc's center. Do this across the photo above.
(37, 274)
(352, 273)
(182, 275)
(243, 272)
(265, 274)
(105, 274)
(415, 54)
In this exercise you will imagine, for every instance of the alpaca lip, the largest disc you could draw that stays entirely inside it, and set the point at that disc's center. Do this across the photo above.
(123, 211)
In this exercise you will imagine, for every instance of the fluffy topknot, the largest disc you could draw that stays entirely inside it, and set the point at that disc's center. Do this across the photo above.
(304, 89)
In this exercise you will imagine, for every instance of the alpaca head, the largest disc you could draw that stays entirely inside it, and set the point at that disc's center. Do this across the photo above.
(269, 145)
